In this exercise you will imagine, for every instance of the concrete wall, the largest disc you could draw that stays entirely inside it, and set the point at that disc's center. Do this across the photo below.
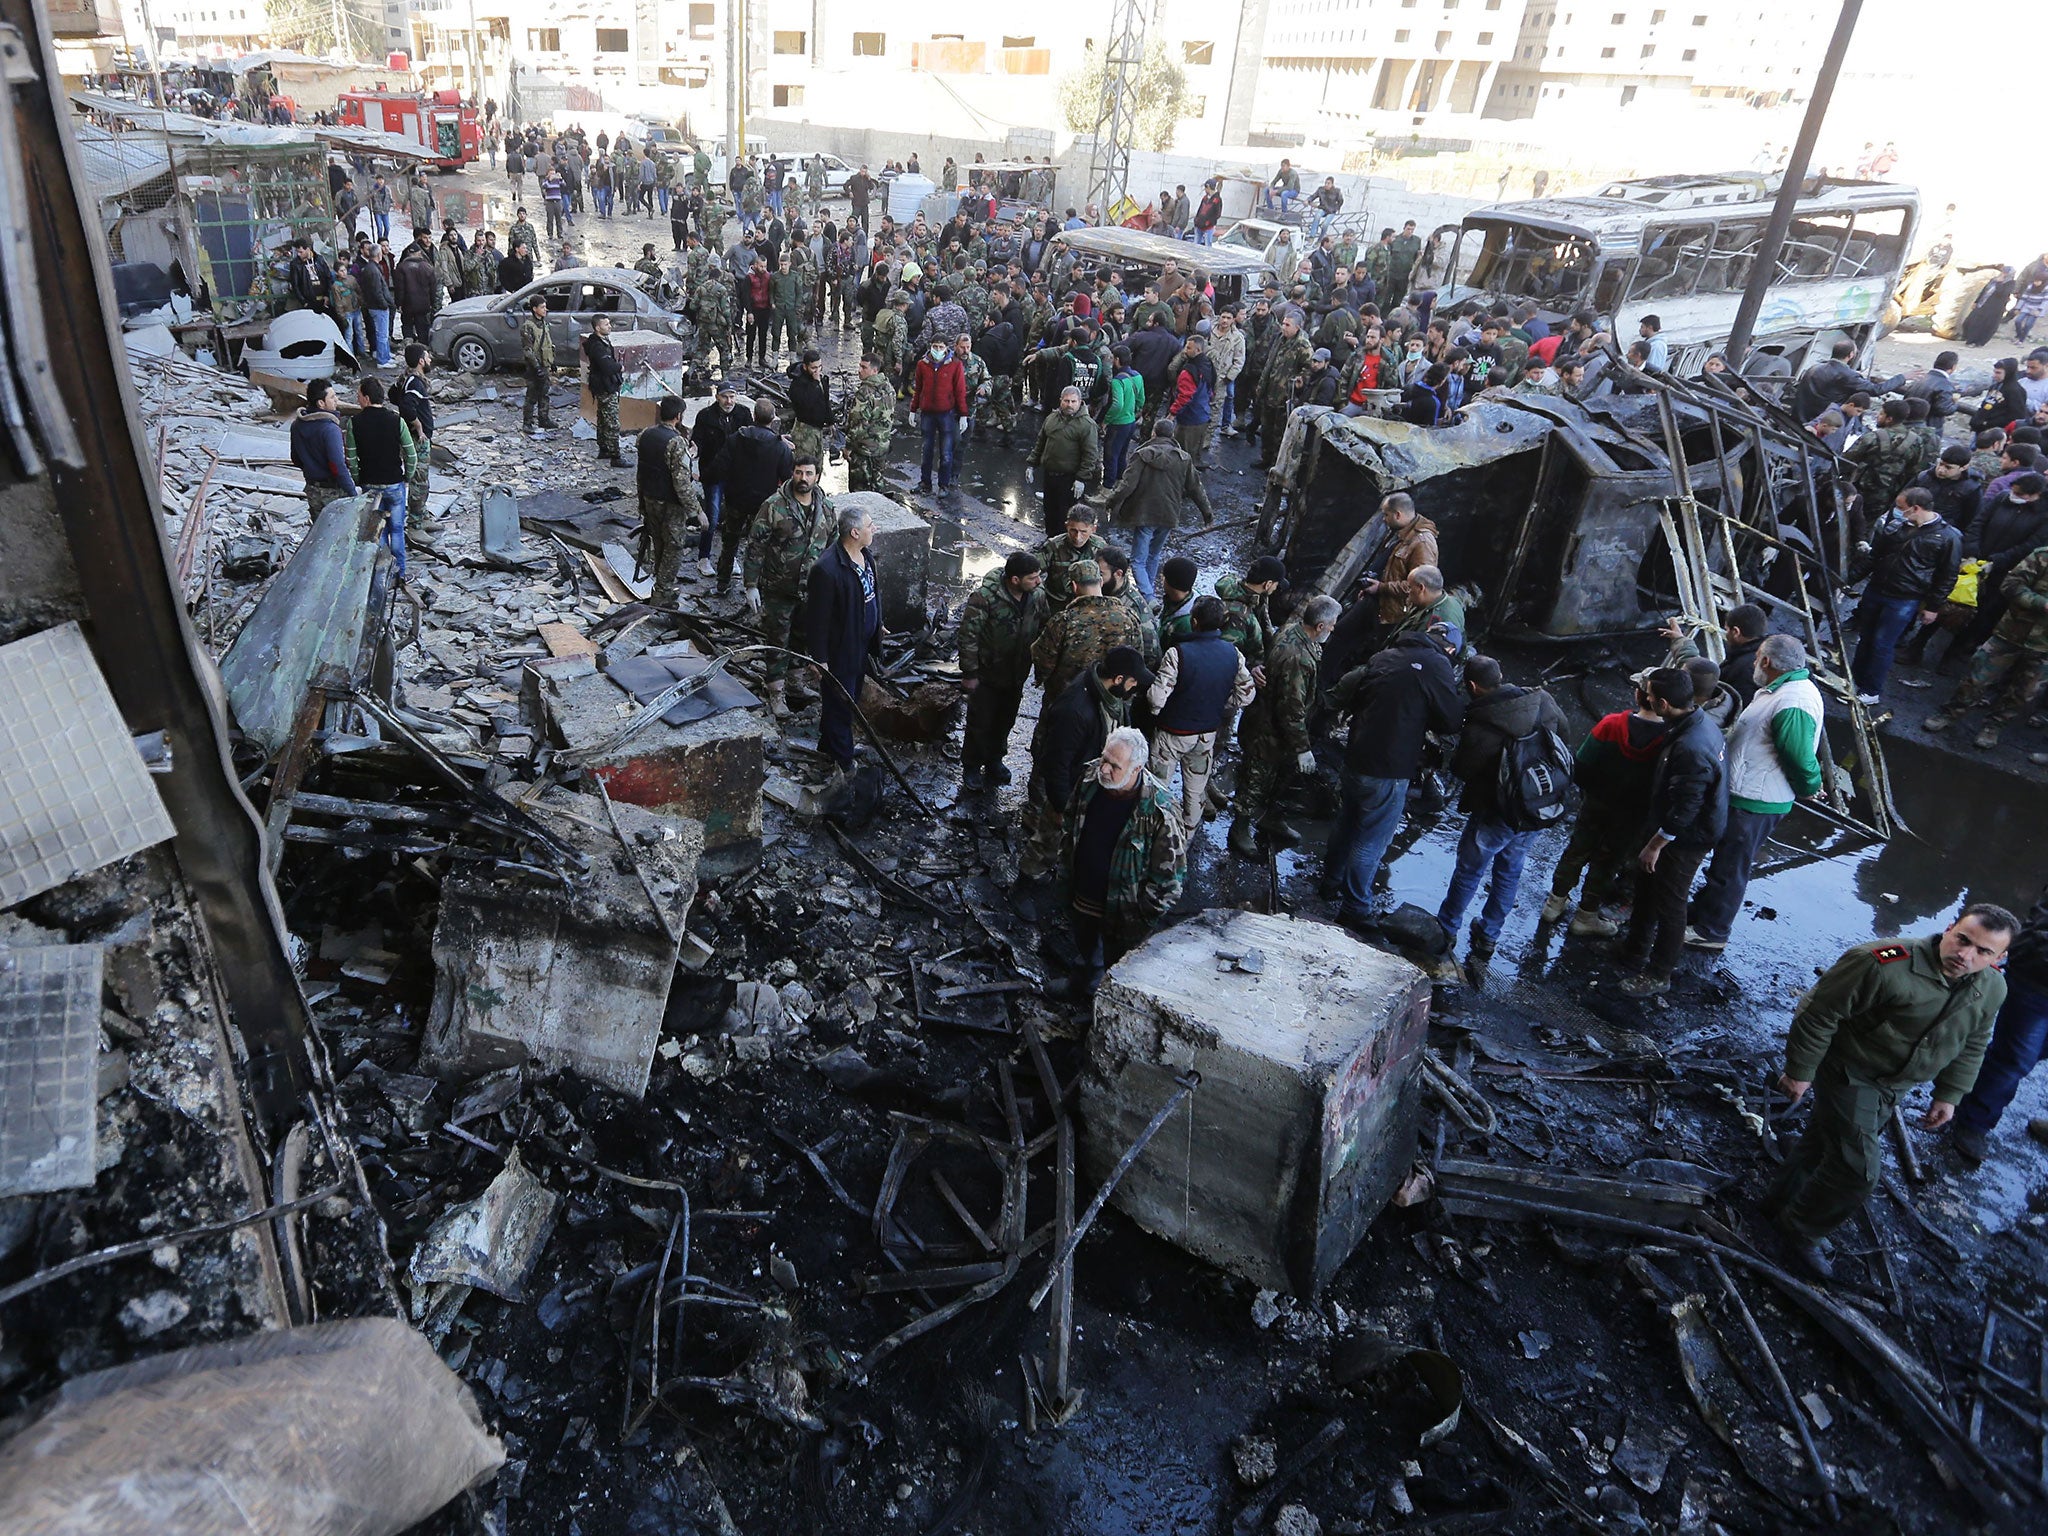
(874, 145)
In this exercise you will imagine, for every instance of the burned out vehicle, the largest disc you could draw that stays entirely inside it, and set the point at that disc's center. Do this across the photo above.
(1554, 509)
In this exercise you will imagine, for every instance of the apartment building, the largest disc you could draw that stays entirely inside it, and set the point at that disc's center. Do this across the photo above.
(209, 27)
(1331, 67)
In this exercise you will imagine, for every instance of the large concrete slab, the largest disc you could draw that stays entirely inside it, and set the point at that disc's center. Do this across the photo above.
(902, 553)
(1305, 1122)
(709, 770)
(573, 978)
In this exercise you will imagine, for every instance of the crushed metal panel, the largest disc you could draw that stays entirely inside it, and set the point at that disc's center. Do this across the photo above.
(49, 1060)
(493, 1241)
(578, 978)
(74, 793)
(311, 620)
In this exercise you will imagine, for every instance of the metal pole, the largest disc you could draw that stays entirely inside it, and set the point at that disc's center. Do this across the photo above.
(163, 102)
(1765, 267)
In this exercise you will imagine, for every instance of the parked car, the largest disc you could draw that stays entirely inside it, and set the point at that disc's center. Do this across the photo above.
(477, 335)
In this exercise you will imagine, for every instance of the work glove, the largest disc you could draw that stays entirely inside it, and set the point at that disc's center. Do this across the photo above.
(1306, 763)
(754, 601)
(1028, 473)
(1080, 487)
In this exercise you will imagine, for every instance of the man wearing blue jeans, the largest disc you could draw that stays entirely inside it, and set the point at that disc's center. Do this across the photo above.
(2019, 1038)
(1395, 700)
(381, 460)
(1492, 847)
(1913, 565)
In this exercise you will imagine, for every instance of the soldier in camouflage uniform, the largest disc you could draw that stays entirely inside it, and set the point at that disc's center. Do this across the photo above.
(537, 352)
(973, 298)
(1117, 583)
(1082, 633)
(2008, 667)
(480, 266)
(1000, 621)
(870, 421)
(1248, 625)
(1886, 460)
(792, 531)
(1276, 741)
(522, 232)
(449, 267)
(1287, 362)
(712, 310)
(892, 334)
(1059, 556)
(974, 369)
(1379, 266)
(601, 372)
(669, 505)
(814, 184)
(649, 265)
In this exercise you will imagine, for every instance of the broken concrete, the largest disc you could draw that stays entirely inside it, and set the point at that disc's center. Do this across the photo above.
(902, 553)
(709, 770)
(1305, 1121)
(574, 978)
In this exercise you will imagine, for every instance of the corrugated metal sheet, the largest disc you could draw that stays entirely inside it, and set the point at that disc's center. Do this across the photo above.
(117, 164)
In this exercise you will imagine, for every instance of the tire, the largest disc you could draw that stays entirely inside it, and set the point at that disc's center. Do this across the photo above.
(472, 354)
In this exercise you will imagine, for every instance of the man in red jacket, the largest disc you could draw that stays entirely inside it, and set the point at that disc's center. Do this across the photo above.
(938, 394)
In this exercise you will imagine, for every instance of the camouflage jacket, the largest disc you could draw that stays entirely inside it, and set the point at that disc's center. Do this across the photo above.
(449, 265)
(1378, 263)
(996, 631)
(522, 229)
(536, 343)
(973, 299)
(871, 417)
(786, 541)
(1057, 557)
(1284, 364)
(648, 265)
(712, 303)
(2025, 621)
(1885, 461)
(1080, 635)
(1148, 632)
(1176, 624)
(696, 266)
(1150, 859)
(1281, 709)
(480, 270)
(1245, 621)
(889, 337)
(976, 369)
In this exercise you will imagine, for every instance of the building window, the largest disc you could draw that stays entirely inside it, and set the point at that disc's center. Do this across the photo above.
(1529, 52)
(544, 39)
(1699, 21)
(703, 21)
(1401, 35)
(1198, 53)
(1655, 17)
(1690, 54)
(1648, 49)
(1443, 41)
(1620, 18)
(612, 40)
(1027, 42)
(789, 95)
(870, 45)
(1606, 53)
(1485, 38)
(1197, 106)
(1628, 94)
(788, 42)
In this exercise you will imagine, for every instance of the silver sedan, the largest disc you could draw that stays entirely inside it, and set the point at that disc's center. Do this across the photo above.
(477, 335)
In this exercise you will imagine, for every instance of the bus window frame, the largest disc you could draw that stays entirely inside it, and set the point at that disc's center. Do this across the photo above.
(1712, 230)
(1909, 223)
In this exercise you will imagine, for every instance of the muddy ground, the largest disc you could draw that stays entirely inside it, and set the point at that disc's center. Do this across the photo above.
(1576, 1410)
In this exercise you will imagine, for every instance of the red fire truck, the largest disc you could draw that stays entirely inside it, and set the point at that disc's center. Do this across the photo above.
(441, 121)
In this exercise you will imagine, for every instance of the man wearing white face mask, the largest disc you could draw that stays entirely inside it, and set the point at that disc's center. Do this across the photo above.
(939, 396)
(1125, 855)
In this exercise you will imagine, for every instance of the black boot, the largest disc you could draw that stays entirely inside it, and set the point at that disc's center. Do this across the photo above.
(1244, 840)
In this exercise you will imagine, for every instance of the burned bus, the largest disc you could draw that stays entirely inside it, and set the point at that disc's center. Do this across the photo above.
(1683, 248)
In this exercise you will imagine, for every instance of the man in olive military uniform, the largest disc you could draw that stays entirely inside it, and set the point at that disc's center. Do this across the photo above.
(669, 506)
(713, 301)
(1884, 1017)
(649, 265)
(2007, 669)
(1288, 360)
(1001, 619)
(1274, 737)
(605, 378)
(1058, 556)
(1083, 632)
(449, 269)
(789, 300)
(522, 232)
(537, 353)
(790, 535)
(870, 419)
(1402, 255)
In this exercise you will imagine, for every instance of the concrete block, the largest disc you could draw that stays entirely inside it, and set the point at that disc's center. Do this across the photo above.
(1305, 1121)
(710, 770)
(902, 553)
(574, 978)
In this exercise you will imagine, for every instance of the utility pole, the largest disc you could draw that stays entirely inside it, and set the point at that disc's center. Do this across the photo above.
(156, 72)
(735, 81)
(1109, 161)
(1765, 267)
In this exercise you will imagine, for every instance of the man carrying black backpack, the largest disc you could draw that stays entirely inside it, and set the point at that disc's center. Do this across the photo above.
(1517, 773)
